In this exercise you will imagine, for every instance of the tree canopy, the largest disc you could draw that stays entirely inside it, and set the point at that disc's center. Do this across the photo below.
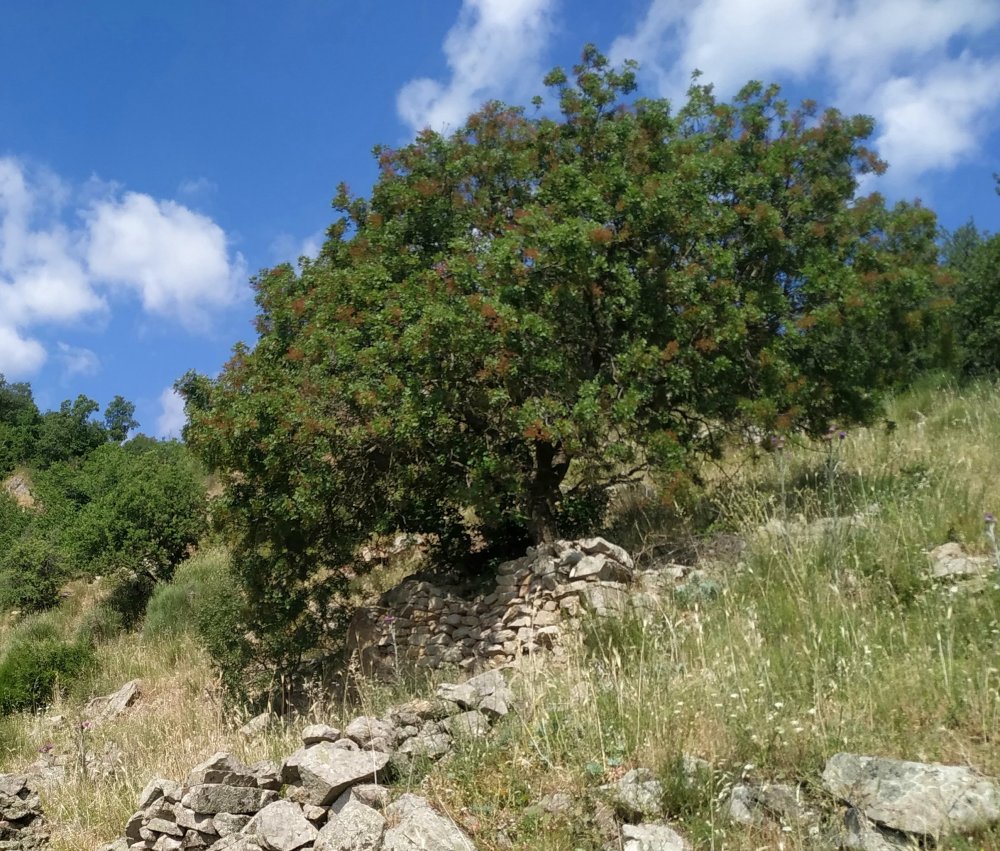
(534, 307)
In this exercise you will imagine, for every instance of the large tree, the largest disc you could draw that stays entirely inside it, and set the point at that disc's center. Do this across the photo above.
(537, 306)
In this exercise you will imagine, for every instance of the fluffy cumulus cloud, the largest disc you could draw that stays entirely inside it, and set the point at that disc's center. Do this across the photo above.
(891, 58)
(174, 259)
(171, 420)
(67, 253)
(493, 50)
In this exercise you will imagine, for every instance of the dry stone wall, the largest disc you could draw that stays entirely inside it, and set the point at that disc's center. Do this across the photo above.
(534, 598)
(22, 824)
(329, 795)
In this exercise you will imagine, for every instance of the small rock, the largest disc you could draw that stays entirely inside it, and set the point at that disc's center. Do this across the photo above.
(316, 733)
(653, 836)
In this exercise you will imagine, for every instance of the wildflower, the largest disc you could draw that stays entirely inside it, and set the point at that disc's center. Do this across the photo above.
(46, 748)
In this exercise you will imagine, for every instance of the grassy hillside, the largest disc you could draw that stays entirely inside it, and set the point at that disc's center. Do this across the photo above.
(823, 637)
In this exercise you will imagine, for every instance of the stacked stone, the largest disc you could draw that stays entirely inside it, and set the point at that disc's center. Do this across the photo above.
(22, 823)
(332, 798)
(419, 624)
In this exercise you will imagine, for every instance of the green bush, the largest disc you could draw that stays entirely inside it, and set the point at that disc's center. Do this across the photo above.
(31, 573)
(100, 624)
(31, 672)
(176, 606)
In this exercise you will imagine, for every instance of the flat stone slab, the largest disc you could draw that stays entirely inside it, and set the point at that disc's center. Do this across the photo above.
(917, 798)
(326, 770)
(213, 798)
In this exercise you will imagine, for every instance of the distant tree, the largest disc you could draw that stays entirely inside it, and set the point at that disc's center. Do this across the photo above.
(534, 308)
(119, 419)
(70, 432)
(973, 259)
(19, 421)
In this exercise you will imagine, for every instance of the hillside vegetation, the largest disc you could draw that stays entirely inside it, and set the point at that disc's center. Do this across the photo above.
(684, 329)
(822, 642)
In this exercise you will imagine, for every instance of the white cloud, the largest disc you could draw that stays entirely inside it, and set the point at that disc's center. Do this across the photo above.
(77, 360)
(175, 259)
(886, 57)
(933, 121)
(492, 50)
(171, 420)
(197, 187)
(19, 356)
(65, 252)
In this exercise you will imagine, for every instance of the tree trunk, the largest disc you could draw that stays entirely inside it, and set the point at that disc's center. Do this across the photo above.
(551, 466)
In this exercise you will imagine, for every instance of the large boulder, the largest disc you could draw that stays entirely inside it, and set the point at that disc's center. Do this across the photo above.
(353, 827)
(281, 826)
(928, 799)
(418, 827)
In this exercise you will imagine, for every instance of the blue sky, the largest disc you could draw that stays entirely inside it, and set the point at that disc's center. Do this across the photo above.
(153, 156)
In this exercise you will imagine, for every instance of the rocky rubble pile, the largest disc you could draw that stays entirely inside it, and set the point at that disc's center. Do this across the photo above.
(420, 624)
(328, 795)
(22, 824)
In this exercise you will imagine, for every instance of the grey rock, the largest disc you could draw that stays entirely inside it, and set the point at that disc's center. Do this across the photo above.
(280, 826)
(859, 834)
(468, 725)
(221, 767)
(316, 733)
(237, 842)
(587, 566)
(267, 774)
(431, 745)
(161, 825)
(134, 825)
(917, 798)
(418, 827)
(326, 770)
(256, 725)
(167, 843)
(950, 561)
(756, 804)
(227, 824)
(369, 794)
(599, 546)
(372, 733)
(354, 827)
(652, 837)
(158, 789)
(117, 845)
(102, 709)
(190, 820)
(414, 713)
(213, 798)
(473, 692)
(638, 794)
(315, 814)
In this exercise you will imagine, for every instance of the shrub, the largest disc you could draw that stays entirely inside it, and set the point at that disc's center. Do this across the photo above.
(31, 573)
(31, 672)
